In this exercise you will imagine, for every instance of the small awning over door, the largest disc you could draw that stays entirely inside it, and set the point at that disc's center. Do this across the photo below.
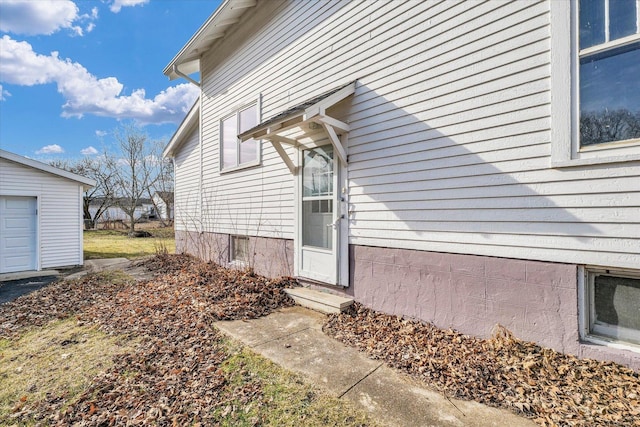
(310, 114)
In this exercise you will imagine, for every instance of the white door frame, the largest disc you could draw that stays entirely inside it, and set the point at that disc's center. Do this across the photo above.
(341, 244)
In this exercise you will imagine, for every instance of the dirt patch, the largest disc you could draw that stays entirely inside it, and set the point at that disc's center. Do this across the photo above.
(540, 383)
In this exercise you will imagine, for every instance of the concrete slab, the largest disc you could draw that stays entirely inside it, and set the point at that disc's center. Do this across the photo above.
(303, 348)
(287, 321)
(5, 277)
(320, 301)
(95, 265)
(293, 338)
(395, 398)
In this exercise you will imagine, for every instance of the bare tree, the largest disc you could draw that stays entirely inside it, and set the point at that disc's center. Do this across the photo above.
(134, 172)
(100, 197)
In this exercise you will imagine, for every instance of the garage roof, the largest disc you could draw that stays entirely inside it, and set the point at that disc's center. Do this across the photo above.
(86, 182)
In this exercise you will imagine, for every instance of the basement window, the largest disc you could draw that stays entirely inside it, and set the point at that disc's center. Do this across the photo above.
(239, 249)
(613, 299)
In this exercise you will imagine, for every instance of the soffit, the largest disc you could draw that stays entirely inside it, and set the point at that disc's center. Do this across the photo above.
(223, 18)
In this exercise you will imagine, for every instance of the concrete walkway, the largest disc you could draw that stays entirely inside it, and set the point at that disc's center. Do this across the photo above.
(112, 264)
(293, 338)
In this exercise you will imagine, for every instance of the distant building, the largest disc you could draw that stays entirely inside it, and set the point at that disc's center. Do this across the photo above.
(163, 201)
(144, 209)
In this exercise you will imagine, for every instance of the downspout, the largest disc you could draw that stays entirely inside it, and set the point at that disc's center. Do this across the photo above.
(184, 76)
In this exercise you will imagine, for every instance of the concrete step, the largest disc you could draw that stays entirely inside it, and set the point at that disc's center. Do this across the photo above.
(320, 301)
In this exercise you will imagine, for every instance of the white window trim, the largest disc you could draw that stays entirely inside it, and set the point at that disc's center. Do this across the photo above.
(585, 304)
(565, 149)
(257, 101)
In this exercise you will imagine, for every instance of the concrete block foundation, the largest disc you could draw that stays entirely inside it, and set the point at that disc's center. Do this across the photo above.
(267, 256)
(537, 301)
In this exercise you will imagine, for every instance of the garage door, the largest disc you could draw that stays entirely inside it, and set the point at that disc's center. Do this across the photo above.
(18, 228)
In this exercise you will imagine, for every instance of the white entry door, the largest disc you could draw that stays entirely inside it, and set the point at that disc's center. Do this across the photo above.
(18, 228)
(319, 216)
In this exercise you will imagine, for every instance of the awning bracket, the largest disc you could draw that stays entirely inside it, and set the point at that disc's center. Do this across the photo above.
(335, 141)
(275, 140)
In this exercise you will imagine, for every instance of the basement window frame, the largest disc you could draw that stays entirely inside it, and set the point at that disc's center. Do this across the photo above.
(234, 257)
(602, 334)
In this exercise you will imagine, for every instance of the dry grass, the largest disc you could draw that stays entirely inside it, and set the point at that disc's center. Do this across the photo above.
(59, 359)
(287, 398)
(117, 244)
(64, 372)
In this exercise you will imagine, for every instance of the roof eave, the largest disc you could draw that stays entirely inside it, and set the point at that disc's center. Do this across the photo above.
(188, 58)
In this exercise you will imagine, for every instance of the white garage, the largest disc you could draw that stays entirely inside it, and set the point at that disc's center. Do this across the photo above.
(40, 215)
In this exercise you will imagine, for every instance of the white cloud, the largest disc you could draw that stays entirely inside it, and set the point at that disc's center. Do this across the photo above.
(38, 17)
(90, 18)
(84, 93)
(117, 5)
(50, 149)
(101, 133)
(4, 94)
(89, 151)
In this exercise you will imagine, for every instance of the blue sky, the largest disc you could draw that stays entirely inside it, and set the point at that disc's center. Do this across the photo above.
(71, 71)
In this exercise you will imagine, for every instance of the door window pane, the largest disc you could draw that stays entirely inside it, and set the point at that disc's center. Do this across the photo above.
(316, 226)
(317, 197)
(317, 175)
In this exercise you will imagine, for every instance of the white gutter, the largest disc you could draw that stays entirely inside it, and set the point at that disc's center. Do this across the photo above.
(183, 75)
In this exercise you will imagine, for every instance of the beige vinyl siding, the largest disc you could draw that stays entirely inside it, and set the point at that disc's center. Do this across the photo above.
(59, 215)
(187, 183)
(449, 148)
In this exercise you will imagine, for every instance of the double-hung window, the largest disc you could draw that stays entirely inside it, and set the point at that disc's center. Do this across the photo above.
(595, 88)
(235, 154)
(608, 72)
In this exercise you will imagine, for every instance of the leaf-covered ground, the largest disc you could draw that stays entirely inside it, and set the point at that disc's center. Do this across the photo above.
(183, 371)
(552, 388)
(179, 373)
